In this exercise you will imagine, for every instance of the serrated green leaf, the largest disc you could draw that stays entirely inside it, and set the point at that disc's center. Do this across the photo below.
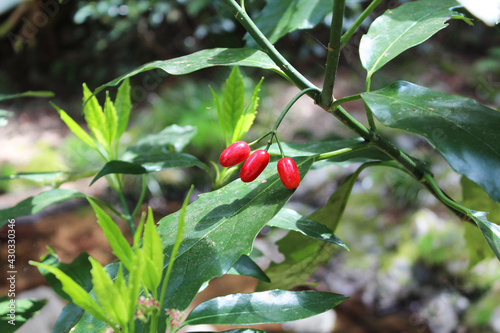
(233, 99)
(112, 302)
(402, 28)
(94, 116)
(25, 308)
(153, 254)
(35, 204)
(204, 59)
(150, 163)
(247, 117)
(275, 306)
(111, 120)
(79, 295)
(44, 94)
(123, 106)
(117, 241)
(279, 18)
(247, 267)
(221, 227)
(78, 270)
(291, 220)
(75, 128)
(462, 130)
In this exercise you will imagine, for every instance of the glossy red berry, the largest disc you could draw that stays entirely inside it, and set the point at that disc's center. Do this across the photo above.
(289, 173)
(254, 165)
(234, 154)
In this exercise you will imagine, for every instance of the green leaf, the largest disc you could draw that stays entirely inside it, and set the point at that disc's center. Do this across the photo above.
(491, 231)
(94, 116)
(79, 295)
(220, 228)
(35, 204)
(153, 254)
(279, 17)
(247, 267)
(294, 149)
(304, 255)
(74, 127)
(150, 163)
(402, 28)
(112, 302)
(233, 99)
(247, 117)
(24, 309)
(117, 241)
(274, 306)
(78, 270)
(475, 197)
(111, 120)
(171, 139)
(69, 317)
(464, 131)
(123, 106)
(203, 59)
(291, 220)
(54, 179)
(44, 94)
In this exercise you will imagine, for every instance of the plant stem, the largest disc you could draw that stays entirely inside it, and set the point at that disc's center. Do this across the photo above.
(288, 106)
(292, 74)
(332, 60)
(343, 100)
(108, 206)
(121, 195)
(352, 29)
(141, 197)
(369, 113)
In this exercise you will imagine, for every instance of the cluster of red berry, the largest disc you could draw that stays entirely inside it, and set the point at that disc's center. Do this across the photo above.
(257, 162)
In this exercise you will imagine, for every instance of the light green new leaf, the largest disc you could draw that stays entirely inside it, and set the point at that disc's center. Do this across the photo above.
(123, 106)
(111, 120)
(402, 28)
(118, 242)
(274, 306)
(35, 204)
(134, 280)
(25, 308)
(204, 59)
(112, 302)
(462, 130)
(279, 17)
(291, 220)
(247, 117)
(221, 227)
(79, 295)
(233, 99)
(75, 128)
(94, 116)
(153, 254)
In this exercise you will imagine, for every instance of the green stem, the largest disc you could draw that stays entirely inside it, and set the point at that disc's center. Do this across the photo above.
(141, 197)
(289, 105)
(343, 151)
(291, 73)
(332, 59)
(343, 100)
(369, 113)
(262, 137)
(108, 206)
(352, 29)
(121, 195)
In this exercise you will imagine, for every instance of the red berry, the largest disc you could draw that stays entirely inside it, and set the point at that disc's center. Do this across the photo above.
(254, 165)
(234, 154)
(289, 173)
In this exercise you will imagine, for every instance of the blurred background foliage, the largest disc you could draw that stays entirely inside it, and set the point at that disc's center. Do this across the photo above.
(411, 252)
